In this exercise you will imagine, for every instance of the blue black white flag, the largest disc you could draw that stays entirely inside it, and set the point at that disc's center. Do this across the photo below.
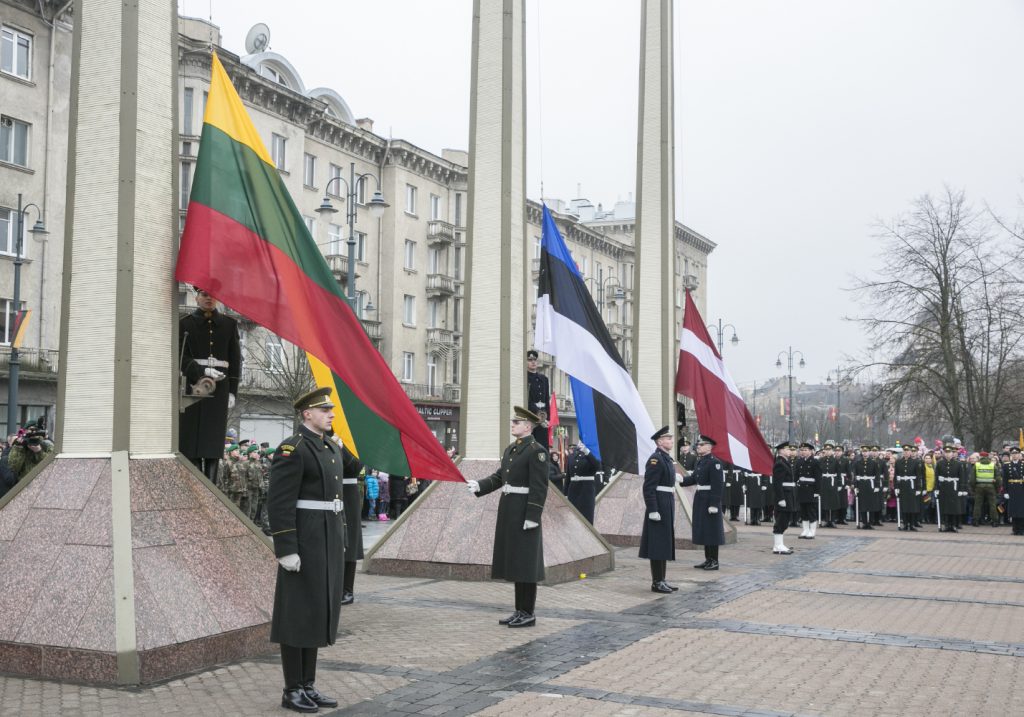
(612, 419)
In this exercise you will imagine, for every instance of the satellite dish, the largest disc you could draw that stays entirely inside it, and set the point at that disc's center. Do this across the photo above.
(258, 39)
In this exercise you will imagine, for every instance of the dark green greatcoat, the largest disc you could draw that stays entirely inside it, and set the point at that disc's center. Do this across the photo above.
(353, 497)
(307, 604)
(519, 554)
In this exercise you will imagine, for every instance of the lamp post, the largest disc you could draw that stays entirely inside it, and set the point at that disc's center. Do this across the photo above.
(790, 354)
(720, 334)
(839, 383)
(37, 229)
(611, 281)
(377, 206)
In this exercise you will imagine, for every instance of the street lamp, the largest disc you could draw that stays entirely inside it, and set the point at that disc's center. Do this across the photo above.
(790, 354)
(377, 206)
(38, 229)
(839, 382)
(618, 293)
(721, 331)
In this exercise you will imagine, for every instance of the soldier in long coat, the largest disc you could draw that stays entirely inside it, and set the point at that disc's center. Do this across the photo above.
(581, 468)
(830, 485)
(732, 495)
(518, 541)
(754, 492)
(307, 523)
(846, 481)
(210, 352)
(783, 495)
(658, 536)
(708, 528)
(808, 478)
(353, 499)
(539, 390)
(1013, 490)
(908, 474)
(949, 483)
(865, 484)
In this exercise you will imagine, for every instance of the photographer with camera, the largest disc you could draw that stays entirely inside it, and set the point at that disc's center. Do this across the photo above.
(29, 449)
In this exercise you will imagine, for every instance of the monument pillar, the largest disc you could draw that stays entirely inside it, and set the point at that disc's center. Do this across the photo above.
(130, 567)
(654, 333)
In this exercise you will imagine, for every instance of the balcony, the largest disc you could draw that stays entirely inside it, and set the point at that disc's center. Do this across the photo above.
(31, 361)
(373, 330)
(535, 268)
(441, 342)
(440, 233)
(339, 267)
(448, 393)
(564, 403)
(620, 330)
(440, 285)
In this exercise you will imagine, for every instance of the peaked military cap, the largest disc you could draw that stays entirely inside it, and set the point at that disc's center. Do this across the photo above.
(532, 354)
(908, 447)
(829, 444)
(784, 444)
(707, 440)
(525, 414)
(317, 398)
(1014, 449)
(663, 431)
(806, 444)
(949, 447)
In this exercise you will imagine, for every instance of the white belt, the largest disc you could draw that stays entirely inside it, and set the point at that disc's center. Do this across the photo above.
(948, 480)
(829, 475)
(515, 489)
(666, 489)
(349, 481)
(576, 479)
(904, 477)
(333, 505)
(703, 487)
(212, 362)
(806, 480)
(789, 485)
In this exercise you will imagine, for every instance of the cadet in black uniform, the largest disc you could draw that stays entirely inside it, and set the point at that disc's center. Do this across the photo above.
(783, 495)
(830, 486)
(949, 481)
(865, 478)
(539, 395)
(754, 492)
(708, 528)
(732, 496)
(658, 537)
(307, 522)
(845, 481)
(808, 477)
(210, 358)
(1013, 490)
(581, 480)
(687, 458)
(908, 474)
(518, 541)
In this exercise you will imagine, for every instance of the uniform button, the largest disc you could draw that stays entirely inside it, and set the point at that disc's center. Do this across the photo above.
(332, 460)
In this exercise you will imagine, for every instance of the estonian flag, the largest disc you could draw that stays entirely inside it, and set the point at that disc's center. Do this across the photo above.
(612, 419)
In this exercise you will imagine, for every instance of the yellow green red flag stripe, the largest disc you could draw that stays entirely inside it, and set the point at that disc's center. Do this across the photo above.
(246, 243)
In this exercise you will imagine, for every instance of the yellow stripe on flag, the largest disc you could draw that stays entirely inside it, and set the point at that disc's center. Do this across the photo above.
(323, 377)
(1020, 439)
(19, 335)
(225, 111)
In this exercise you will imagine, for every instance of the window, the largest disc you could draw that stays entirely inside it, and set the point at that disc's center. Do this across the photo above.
(310, 226)
(458, 263)
(408, 365)
(409, 310)
(275, 356)
(334, 188)
(186, 149)
(410, 254)
(277, 150)
(410, 199)
(435, 206)
(457, 314)
(309, 170)
(536, 247)
(362, 299)
(455, 368)
(10, 315)
(434, 260)
(16, 53)
(8, 227)
(360, 246)
(334, 237)
(433, 314)
(185, 184)
(583, 267)
(187, 111)
(361, 190)
(13, 141)
(431, 378)
(458, 209)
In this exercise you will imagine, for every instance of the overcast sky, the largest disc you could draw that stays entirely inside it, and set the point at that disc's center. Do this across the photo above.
(800, 124)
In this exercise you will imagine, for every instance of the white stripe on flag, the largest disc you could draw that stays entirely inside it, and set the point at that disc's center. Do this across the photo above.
(690, 343)
(581, 355)
(739, 453)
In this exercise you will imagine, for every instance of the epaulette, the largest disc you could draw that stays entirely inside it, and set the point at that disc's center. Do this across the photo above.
(285, 449)
(654, 461)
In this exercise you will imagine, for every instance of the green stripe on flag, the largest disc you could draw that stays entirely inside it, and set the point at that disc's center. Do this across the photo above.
(378, 442)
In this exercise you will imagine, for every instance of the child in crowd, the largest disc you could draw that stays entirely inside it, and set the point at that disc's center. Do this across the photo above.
(384, 495)
(372, 491)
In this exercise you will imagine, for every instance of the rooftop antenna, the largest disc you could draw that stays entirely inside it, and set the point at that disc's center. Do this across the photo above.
(257, 39)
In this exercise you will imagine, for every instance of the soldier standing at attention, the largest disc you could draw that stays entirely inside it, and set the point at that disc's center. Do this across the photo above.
(865, 475)
(581, 468)
(1013, 485)
(708, 528)
(518, 541)
(808, 476)
(307, 523)
(687, 458)
(658, 537)
(539, 395)
(948, 485)
(212, 358)
(830, 486)
(909, 478)
(783, 495)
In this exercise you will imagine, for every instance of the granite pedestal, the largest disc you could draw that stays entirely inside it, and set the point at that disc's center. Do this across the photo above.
(449, 534)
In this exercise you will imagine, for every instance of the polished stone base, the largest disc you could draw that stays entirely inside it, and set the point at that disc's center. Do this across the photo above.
(449, 534)
(619, 514)
(202, 575)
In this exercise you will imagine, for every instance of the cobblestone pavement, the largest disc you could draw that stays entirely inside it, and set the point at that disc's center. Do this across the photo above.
(880, 623)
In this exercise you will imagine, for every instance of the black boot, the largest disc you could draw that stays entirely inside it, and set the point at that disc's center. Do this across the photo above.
(319, 699)
(296, 699)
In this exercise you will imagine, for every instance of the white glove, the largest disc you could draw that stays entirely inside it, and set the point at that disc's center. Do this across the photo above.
(963, 494)
(1006, 496)
(782, 504)
(878, 490)
(529, 525)
(540, 405)
(583, 449)
(679, 479)
(474, 486)
(213, 373)
(917, 492)
(712, 509)
(897, 491)
(231, 401)
(764, 487)
(291, 563)
(655, 516)
(936, 494)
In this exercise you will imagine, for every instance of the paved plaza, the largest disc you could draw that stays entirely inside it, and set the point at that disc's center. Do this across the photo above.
(880, 623)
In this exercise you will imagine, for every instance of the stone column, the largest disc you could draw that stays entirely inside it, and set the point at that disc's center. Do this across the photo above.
(497, 307)
(654, 333)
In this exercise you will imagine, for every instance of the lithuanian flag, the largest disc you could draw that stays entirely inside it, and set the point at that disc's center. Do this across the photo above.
(246, 244)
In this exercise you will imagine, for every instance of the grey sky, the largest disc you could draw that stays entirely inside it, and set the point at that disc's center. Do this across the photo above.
(799, 124)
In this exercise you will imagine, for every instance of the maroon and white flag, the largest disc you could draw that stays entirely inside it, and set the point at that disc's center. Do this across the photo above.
(721, 413)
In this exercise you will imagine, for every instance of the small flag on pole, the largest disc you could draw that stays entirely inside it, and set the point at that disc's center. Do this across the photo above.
(20, 324)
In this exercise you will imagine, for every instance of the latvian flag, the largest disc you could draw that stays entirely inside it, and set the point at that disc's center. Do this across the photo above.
(721, 413)
(612, 419)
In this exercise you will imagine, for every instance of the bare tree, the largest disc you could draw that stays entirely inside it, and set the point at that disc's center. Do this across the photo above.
(275, 373)
(944, 317)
